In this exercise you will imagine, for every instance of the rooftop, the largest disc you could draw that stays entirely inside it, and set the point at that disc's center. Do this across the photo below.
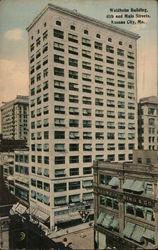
(19, 99)
(77, 15)
(149, 99)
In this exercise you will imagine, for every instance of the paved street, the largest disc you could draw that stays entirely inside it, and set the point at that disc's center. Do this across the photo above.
(80, 240)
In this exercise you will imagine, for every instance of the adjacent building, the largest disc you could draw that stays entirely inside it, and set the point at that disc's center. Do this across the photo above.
(83, 92)
(14, 118)
(126, 203)
(148, 123)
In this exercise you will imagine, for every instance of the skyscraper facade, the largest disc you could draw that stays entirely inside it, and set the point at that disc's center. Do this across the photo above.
(14, 118)
(82, 105)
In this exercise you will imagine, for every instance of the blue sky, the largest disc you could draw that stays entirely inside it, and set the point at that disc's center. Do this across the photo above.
(16, 15)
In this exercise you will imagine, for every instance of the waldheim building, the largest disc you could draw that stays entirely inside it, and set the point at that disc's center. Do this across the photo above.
(83, 95)
(126, 203)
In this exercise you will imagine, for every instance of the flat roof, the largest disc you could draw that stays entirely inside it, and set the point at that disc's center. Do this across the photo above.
(19, 99)
(77, 15)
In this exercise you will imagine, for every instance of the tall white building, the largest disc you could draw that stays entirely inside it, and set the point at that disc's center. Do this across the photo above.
(14, 118)
(83, 95)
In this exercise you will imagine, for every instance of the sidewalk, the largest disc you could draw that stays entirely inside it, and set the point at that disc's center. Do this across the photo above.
(62, 232)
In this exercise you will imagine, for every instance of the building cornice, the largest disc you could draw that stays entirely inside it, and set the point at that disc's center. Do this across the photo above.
(77, 15)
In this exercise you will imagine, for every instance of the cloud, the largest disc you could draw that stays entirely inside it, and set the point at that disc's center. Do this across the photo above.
(14, 34)
(14, 79)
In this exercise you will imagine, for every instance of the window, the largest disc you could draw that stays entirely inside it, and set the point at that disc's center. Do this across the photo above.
(121, 84)
(86, 65)
(98, 45)
(86, 100)
(130, 65)
(111, 114)
(120, 52)
(45, 48)
(59, 59)
(60, 173)
(59, 97)
(58, 46)
(99, 147)
(110, 136)
(99, 135)
(59, 122)
(59, 84)
(87, 124)
(98, 57)
(110, 71)
(99, 79)
(111, 157)
(58, 71)
(121, 136)
(72, 27)
(130, 85)
(86, 42)
(99, 113)
(59, 135)
(73, 50)
(110, 125)
(59, 147)
(121, 115)
(110, 60)
(60, 187)
(86, 32)
(110, 92)
(73, 111)
(87, 135)
(86, 77)
(98, 91)
(121, 104)
(121, 73)
(86, 89)
(121, 157)
(73, 74)
(110, 103)
(74, 159)
(99, 124)
(109, 49)
(73, 86)
(87, 170)
(58, 23)
(131, 105)
(98, 68)
(111, 146)
(45, 35)
(58, 34)
(121, 125)
(73, 38)
(86, 112)
(130, 55)
(59, 109)
(45, 110)
(151, 121)
(130, 75)
(73, 147)
(74, 185)
(73, 123)
(73, 98)
(59, 201)
(98, 35)
(59, 160)
(73, 62)
(86, 53)
(87, 147)
(98, 102)
(110, 81)
(131, 116)
(74, 135)
(74, 171)
(46, 135)
(121, 146)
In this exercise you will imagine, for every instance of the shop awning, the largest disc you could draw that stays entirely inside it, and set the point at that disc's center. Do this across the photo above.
(137, 186)
(87, 183)
(41, 216)
(115, 223)
(20, 209)
(129, 228)
(107, 221)
(138, 234)
(127, 184)
(114, 182)
(100, 218)
(148, 234)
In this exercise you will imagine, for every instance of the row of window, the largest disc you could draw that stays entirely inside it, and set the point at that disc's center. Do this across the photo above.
(86, 124)
(86, 135)
(61, 172)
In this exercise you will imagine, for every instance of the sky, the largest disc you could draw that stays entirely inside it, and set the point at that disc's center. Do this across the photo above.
(16, 15)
